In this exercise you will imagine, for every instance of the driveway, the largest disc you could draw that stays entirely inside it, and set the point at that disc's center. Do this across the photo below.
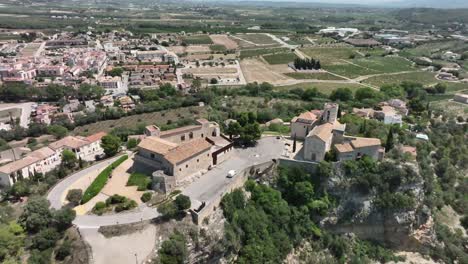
(207, 187)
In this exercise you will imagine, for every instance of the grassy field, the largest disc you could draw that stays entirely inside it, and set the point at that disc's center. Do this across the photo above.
(421, 77)
(217, 48)
(370, 65)
(329, 55)
(159, 118)
(198, 40)
(260, 39)
(315, 76)
(140, 180)
(325, 88)
(280, 58)
(248, 53)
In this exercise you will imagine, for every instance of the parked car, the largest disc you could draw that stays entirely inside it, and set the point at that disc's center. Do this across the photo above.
(231, 173)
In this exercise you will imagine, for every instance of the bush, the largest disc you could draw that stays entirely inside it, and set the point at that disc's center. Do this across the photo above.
(99, 208)
(45, 239)
(101, 180)
(140, 180)
(146, 197)
(168, 210)
(127, 205)
(74, 196)
(182, 202)
(116, 199)
(63, 251)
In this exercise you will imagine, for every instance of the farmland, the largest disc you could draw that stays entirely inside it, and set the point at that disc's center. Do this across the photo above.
(368, 66)
(258, 39)
(225, 41)
(313, 76)
(248, 53)
(198, 40)
(280, 58)
(420, 77)
(329, 55)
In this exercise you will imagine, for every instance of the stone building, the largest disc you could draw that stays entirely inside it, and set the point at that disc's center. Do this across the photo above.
(327, 133)
(174, 155)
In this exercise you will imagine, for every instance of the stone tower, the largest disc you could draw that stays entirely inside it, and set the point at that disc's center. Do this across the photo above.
(330, 113)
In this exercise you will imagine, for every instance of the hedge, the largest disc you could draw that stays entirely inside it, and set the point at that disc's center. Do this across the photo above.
(101, 180)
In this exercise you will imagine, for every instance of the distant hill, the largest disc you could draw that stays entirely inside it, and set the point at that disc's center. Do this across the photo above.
(428, 3)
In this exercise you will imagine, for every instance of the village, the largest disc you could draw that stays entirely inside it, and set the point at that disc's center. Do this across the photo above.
(131, 131)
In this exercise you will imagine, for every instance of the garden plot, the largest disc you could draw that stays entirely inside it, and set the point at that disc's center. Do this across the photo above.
(280, 58)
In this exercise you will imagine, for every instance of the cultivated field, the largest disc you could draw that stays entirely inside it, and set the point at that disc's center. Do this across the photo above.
(159, 118)
(225, 41)
(211, 70)
(247, 53)
(329, 55)
(454, 108)
(313, 76)
(256, 71)
(257, 39)
(198, 48)
(280, 58)
(421, 77)
(198, 40)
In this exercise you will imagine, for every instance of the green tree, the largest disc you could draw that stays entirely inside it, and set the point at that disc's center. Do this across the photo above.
(132, 143)
(116, 71)
(21, 189)
(46, 238)
(87, 91)
(63, 218)
(174, 250)
(182, 202)
(233, 129)
(342, 94)
(57, 130)
(250, 133)
(389, 143)
(36, 214)
(11, 240)
(69, 159)
(111, 145)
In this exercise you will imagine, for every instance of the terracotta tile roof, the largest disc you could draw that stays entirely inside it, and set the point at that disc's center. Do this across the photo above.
(324, 132)
(306, 117)
(365, 142)
(187, 150)
(71, 142)
(409, 149)
(32, 158)
(96, 137)
(157, 145)
(179, 130)
(343, 148)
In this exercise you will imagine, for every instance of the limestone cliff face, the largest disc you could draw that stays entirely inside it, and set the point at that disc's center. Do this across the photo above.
(356, 213)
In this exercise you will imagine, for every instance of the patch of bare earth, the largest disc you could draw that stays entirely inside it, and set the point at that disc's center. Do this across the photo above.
(257, 71)
(225, 41)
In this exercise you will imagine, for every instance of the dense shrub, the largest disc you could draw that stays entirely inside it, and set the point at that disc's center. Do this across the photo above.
(101, 180)
(146, 197)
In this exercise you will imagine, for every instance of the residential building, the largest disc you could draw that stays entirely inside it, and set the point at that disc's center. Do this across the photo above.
(354, 148)
(112, 85)
(301, 125)
(85, 148)
(42, 160)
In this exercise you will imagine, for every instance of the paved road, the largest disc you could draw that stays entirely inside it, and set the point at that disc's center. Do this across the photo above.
(55, 195)
(204, 189)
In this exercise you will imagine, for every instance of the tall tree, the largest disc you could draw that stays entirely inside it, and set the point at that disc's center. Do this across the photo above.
(389, 144)
(110, 144)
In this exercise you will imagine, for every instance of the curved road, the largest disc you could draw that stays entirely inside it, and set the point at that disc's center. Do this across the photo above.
(205, 188)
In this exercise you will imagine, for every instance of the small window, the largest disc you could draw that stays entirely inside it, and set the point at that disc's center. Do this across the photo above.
(201, 135)
(182, 138)
(180, 169)
(198, 160)
(191, 135)
(152, 156)
(186, 166)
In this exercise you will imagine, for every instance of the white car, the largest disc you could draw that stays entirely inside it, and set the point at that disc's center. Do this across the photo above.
(231, 173)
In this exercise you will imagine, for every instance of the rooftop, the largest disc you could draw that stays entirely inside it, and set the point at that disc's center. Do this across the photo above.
(157, 145)
(187, 150)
